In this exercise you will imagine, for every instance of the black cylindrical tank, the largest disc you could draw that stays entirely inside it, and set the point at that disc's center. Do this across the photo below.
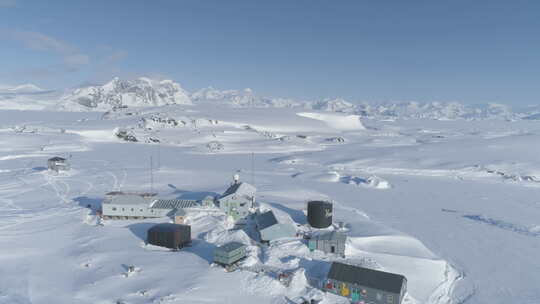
(319, 214)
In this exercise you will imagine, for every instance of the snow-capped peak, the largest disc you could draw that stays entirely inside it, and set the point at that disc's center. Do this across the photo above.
(137, 93)
(334, 105)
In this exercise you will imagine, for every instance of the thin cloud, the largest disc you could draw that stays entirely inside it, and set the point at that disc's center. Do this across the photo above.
(77, 59)
(41, 42)
(8, 3)
(45, 43)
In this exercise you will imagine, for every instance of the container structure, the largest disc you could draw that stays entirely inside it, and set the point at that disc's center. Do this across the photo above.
(172, 236)
(332, 242)
(364, 285)
(319, 214)
(229, 253)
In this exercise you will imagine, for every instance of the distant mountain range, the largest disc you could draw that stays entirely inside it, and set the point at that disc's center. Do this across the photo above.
(145, 92)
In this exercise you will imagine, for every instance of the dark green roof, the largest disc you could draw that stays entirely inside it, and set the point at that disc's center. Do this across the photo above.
(375, 279)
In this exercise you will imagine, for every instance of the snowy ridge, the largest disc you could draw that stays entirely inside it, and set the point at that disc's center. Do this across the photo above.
(27, 97)
(120, 93)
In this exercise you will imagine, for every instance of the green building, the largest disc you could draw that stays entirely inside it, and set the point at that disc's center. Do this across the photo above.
(229, 253)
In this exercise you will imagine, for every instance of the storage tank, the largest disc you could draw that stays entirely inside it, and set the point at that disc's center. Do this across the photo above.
(319, 214)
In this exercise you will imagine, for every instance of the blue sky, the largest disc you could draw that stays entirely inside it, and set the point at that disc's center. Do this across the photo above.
(467, 51)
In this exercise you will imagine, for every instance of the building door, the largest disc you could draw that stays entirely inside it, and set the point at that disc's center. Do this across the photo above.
(332, 249)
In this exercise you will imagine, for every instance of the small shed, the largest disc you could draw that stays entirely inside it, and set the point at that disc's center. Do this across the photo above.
(58, 164)
(168, 235)
(229, 253)
(364, 284)
(270, 229)
(179, 216)
(329, 242)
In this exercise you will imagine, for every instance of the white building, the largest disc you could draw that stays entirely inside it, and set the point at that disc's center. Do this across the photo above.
(128, 205)
(125, 205)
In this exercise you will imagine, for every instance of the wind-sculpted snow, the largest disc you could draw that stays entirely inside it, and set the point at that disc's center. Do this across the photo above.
(533, 231)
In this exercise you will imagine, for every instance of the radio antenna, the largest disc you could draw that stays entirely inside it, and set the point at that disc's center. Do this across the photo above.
(253, 168)
(151, 175)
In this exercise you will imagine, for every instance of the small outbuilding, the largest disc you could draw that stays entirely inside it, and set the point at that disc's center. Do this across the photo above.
(180, 216)
(270, 229)
(366, 285)
(168, 235)
(229, 253)
(332, 242)
(58, 164)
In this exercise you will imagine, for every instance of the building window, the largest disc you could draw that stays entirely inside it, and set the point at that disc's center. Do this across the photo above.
(114, 208)
(141, 210)
(123, 209)
(132, 209)
(389, 299)
(379, 296)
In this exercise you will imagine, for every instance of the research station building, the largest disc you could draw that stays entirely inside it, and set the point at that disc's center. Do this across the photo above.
(332, 242)
(366, 285)
(270, 229)
(132, 205)
(237, 200)
(229, 253)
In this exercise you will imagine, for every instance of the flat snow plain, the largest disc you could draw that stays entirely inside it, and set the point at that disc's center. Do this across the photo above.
(452, 205)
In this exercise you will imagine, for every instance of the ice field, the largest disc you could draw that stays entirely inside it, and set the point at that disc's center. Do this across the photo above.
(451, 204)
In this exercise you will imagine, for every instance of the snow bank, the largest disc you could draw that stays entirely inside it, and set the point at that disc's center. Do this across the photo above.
(336, 121)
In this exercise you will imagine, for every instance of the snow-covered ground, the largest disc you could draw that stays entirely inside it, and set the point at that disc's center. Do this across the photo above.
(451, 204)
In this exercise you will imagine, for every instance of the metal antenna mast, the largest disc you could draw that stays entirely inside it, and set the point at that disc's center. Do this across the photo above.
(253, 168)
(159, 156)
(151, 174)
